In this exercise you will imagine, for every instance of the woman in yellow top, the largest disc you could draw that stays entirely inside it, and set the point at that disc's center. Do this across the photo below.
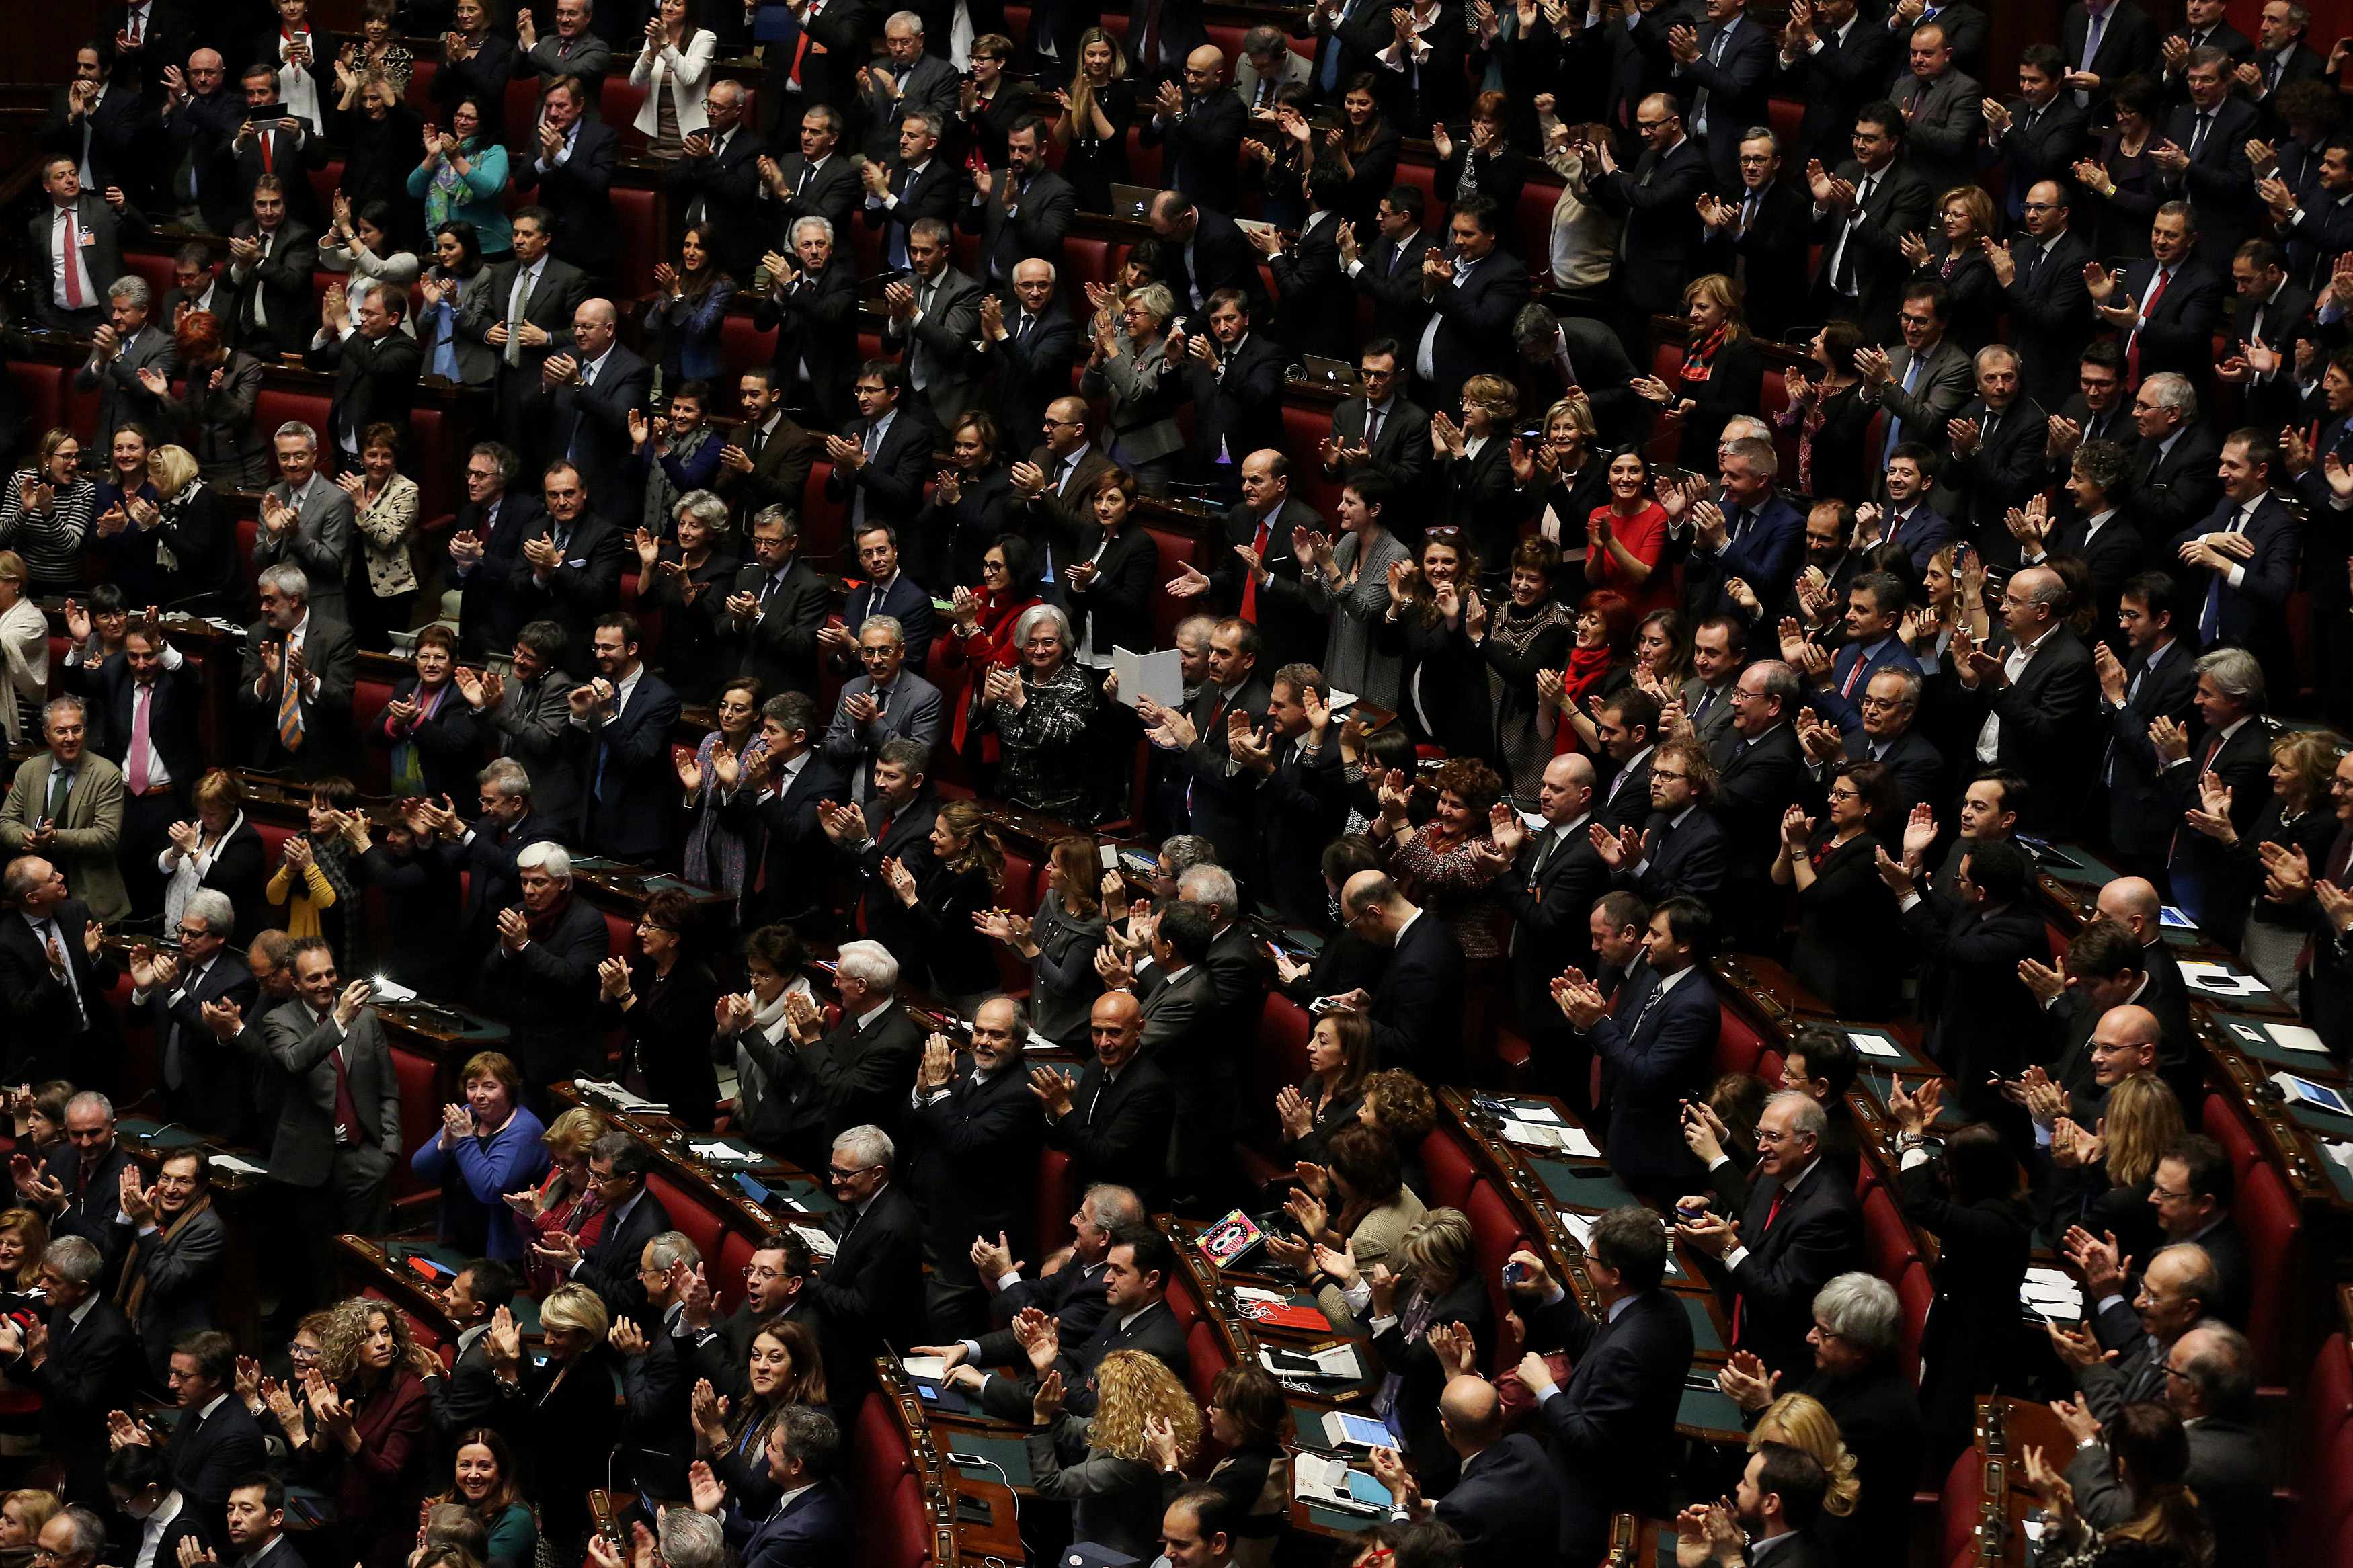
(313, 880)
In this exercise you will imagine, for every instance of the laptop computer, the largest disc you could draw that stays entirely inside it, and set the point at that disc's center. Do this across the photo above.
(1133, 201)
(1338, 373)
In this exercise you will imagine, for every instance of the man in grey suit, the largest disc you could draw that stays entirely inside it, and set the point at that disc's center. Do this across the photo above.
(1267, 65)
(118, 351)
(889, 703)
(933, 317)
(74, 224)
(201, 1080)
(66, 805)
(770, 619)
(307, 520)
(2211, 1385)
(908, 82)
(1922, 382)
(339, 1117)
(1718, 648)
(1944, 107)
(532, 713)
(570, 50)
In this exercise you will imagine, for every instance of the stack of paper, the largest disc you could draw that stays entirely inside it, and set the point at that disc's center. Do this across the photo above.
(236, 1164)
(2218, 979)
(1533, 1126)
(2051, 1293)
(621, 1098)
(1871, 1043)
(821, 1245)
(1334, 1362)
(1346, 1430)
(714, 1152)
(1329, 1483)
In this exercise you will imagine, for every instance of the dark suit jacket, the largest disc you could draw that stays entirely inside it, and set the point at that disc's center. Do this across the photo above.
(206, 1454)
(1499, 1505)
(2247, 615)
(939, 191)
(175, 712)
(576, 192)
(1693, 857)
(611, 1266)
(1239, 412)
(209, 1092)
(90, 1370)
(582, 587)
(2180, 334)
(1475, 314)
(2045, 716)
(2141, 817)
(629, 775)
(1401, 452)
(872, 1294)
(547, 994)
(1155, 1330)
(779, 644)
(375, 381)
(814, 1530)
(815, 322)
(1613, 1423)
(2229, 1470)
(1834, 82)
(1656, 1051)
(1029, 370)
(1900, 203)
(281, 281)
(1771, 257)
(965, 1139)
(2218, 182)
(1417, 1008)
(2173, 490)
(892, 481)
(1997, 475)
(833, 194)
(1203, 144)
(1118, 1133)
(590, 424)
(2050, 311)
(1737, 76)
(1816, 1235)
(1041, 220)
(330, 653)
(2044, 144)
(1980, 1016)
(726, 184)
(1391, 277)
(559, 293)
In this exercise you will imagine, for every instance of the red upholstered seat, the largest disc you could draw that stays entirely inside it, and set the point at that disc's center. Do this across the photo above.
(688, 1215)
(633, 215)
(883, 1454)
(1887, 1245)
(1448, 1168)
(1058, 1199)
(1494, 1233)
(155, 267)
(1533, 217)
(1176, 550)
(1283, 1027)
(898, 1531)
(2319, 1479)
(273, 407)
(726, 1274)
(1084, 260)
(1914, 1293)
(1303, 429)
(40, 396)
(1739, 1046)
(744, 343)
(368, 700)
(2267, 1218)
(1964, 1491)
(420, 1100)
(1205, 1356)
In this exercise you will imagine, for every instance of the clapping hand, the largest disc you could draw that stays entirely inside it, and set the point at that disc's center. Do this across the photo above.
(1747, 1382)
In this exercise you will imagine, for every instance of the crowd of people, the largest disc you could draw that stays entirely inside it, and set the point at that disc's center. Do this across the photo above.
(2009, 435)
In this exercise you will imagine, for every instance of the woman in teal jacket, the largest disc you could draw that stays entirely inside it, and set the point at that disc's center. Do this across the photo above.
(464, 175)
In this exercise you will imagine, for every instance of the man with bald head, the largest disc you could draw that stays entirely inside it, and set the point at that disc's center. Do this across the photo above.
(1200, 123)
(1417, 1008)
(2124, 1355)
(2105, 969)
(2211, 1385)
(201, 115)
(1553, 877)
(1113, 1119)
(1027, 342)
(1659, 249)
(591, 390)
(2035, 687)
(1502, 1505)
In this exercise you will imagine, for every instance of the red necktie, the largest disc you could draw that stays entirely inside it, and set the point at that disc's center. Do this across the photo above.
(1853, 673)
(1250, 585)
(70, 264)
(2148, 312)
(1771, 1214)
(265, 153)
(347, 1109)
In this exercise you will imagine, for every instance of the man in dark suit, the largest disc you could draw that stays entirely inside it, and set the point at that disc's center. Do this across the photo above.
(2157, 679)
(1200, 124)
(492, 524)
(922, 182)
(2176, 465)
(1655, 1048)
(931, 316)
(1835, 63)
(96, 121)
(2038, 135)
(889, 593)
(2234, 747)
(2034, 689)
(895, 821)
(2209, 1386)
(87, 1366)
(819, 180)
(570, 48)
(1474, 291)
(1723, 73)
(1217, 796)
(121, 350)
(1861, 214)
(374, 363)
(1388, 272)
(2271, 309)
(1256, 578)
(2164, 309)
(567, 562)
(2095, 52)
(1874, 616)
(1417, 1008)
(1138, 1267)
(764, 465)
(1993, 454)
(1380, 429)
(2192, 1195)
(1207, 253)
(1300, 803)
(1757, 228)
(144, 38)
(1348, 41)
(200, 1084)
(1802, 1226)
(270, 259)
(539, 975)
(296, 683)
(590, 390)
(570, 166)
(54, 977)
(1655, 202)
(286, 148)
(770, 619)
(1498, 1504)
(869, 1293)
(1550, 886)
(1113, 1119)
(909, 79)
(2041, 276)
(880, 461)
(1234, 378)
(811, 304)
(1980, 1015)
(782, 791)
(527, 321)
(716, 179)
(1028, 341)
(1072, 1293)
(816, 1522)
(1943, 105)
(214, 1440)
(1023, 211)
(1921, 382)
(618, 1165)
(2246, 551)
(1315, 309)
(973, 1121)
(1681, 848)
(1750, 532)
(1613, 1423)
(851, 1075)
(199, 121)
(629, 712)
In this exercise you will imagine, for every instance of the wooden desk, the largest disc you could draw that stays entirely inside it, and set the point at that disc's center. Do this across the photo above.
(2006, 1428)
(1637, 1543)
(953, 1539)
(381, 1263)
(795, 1197)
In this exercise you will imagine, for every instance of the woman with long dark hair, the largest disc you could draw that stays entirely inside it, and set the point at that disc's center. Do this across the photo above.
(2148, 1454)
(664, 1001)
(483, 1482)
(1339, 1059)
(1846, 916)
(45, 513)
(1831, 417)
(782, 1367)
(684, 311)
(960, 880)
(1526, 637)
(980, 638)
(719, 850)
(1434, 606)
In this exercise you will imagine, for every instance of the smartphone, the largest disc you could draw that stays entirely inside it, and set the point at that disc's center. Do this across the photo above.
(1514, 1274)
(600, 1513)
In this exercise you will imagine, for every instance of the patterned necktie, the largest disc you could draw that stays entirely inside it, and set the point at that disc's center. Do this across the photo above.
(289, 707)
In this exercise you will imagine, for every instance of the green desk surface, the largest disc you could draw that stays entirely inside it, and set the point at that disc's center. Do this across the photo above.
(1704, 1338)
(1340, 1521)
(1010, 1456)
(1581, 1186)
(1708, 1410)
(2327, 1123)
(159, 1134)
(2251, 1036)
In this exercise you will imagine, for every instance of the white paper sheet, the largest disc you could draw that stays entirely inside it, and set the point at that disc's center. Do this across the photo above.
(2296, 1037)
(930, 1368)
(1159, 676)
(1872, 1045)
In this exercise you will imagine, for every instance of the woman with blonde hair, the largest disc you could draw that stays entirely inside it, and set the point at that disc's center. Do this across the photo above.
(2106, 1171)
(1560, 479)
(217, 847)
(2298, 815)
(567, 1201)
(1475, 486)
(1097, 108)
(959, 881)
(1805, 1424)
(23, 1515)
(1114, 1491)
(175, 546)
(1722, 375)
(564, 1413)
(1956, 259)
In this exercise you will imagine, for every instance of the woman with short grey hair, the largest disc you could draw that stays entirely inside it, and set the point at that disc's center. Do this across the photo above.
(1041, 711)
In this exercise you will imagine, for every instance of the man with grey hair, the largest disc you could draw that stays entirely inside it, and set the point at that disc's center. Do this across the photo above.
(2175, 479)
(201, 1077)
(655, 1380)
(294, 688)
(1994, 449)
(306, 518)
(687, 1539)
(541, 975)
(54, 980)
(769, 621)
(73, 1538)
(2235, 748)
(1746, 546)
(2211, 1385)
(811, 299)
(1857, 1320)
(66, 804)
(909, 80)
(1028, 340)
(1073, 1295)
(2036, 691)
(2242, 559)
(1802, 1227)
(717, 177)
(855, 1074)
(930, 318)
(872, 1294)
(118, 351)
(86, 1364)
(887, 703)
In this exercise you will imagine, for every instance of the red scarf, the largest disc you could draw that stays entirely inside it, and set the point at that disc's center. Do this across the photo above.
(1698, 358)
(542, 927)
(1587, 667)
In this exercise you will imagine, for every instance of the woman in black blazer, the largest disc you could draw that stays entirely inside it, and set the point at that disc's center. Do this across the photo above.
(1435, 1284)
(970, 502)
(1332, 1096)
(431, 731)
(1956, 259)
(1845, 913)
(1365, 145)
(1475, 487)
(1722, 372)
(961, 879)
(1097, 109)
(564, 1415)
(1482, 162)
(1444, 694)
(684, 580)
(1969, 1200)
(1111, 573)
(1831, 417)
(664, 1004)
(477, 63)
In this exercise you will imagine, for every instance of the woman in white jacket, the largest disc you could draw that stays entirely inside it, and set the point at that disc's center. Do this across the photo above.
(23, 653)
(674, 68)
